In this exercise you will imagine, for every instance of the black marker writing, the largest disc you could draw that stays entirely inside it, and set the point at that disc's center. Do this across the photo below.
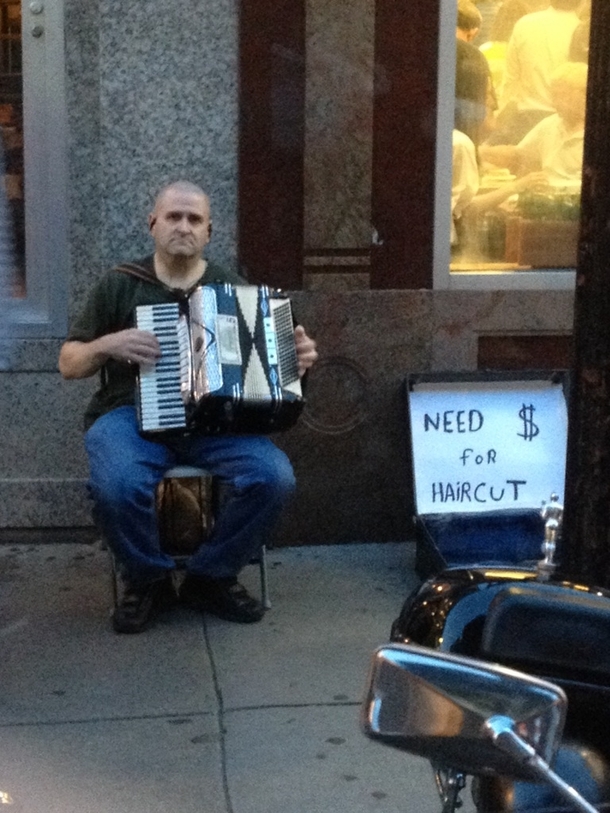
(461, 492)
(468, 456)
(454, 421)
(530, 429)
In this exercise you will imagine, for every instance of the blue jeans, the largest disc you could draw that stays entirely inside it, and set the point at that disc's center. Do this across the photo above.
(126, 468)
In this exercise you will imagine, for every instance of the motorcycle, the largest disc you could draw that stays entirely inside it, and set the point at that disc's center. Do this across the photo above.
(496, 673)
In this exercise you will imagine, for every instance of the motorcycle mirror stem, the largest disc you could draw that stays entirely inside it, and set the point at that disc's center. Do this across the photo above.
(501, 731)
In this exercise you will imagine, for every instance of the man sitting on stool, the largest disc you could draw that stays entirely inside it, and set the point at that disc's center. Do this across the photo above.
(125, 468)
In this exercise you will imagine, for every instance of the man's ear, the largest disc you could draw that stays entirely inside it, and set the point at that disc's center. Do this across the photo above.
(151, 222)
(209, 229)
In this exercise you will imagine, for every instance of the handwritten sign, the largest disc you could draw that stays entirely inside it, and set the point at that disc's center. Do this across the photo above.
(485, 446)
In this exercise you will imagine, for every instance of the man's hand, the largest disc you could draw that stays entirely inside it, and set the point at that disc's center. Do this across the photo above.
(306, 349)
(132, 346)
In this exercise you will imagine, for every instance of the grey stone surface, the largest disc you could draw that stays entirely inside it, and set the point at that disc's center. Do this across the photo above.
(82, 53)
(140, 766)
(168, 102)
(199, 715)
(339, 48)
(60, 660)
(329, 765)
(314, 592)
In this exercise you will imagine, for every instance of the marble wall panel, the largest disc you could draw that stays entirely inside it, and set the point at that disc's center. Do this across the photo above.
(168, 110)
(43, 465)
(41, 419)
(84, 183)
(338, 123)
(350, 448)
(462, 316)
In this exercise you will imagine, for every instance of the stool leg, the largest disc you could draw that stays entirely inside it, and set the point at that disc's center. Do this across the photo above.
(264, 581)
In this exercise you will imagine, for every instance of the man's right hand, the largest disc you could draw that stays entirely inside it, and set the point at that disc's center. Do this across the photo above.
(132, 346)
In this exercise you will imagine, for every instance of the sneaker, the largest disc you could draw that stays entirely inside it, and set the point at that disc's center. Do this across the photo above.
(224, 598)
(140, 603)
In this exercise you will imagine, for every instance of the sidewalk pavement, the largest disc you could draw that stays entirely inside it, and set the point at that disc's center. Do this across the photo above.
(198, 715)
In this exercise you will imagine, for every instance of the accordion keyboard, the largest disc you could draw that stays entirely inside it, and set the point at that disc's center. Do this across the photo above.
(160, 398)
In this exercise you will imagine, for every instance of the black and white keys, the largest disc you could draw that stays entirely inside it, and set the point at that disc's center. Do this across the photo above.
(161, 406)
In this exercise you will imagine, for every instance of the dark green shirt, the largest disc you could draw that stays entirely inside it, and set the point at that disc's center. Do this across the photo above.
(110, 307)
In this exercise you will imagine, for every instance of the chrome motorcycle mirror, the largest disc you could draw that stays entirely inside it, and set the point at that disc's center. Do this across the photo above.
(439, 706)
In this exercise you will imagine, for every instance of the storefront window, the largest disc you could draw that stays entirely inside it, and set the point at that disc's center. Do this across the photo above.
(517, 136)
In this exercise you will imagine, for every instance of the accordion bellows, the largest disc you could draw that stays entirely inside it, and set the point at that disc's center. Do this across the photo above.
(228, 363)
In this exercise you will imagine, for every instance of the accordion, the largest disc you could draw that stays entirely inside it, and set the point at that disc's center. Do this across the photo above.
(228, 363)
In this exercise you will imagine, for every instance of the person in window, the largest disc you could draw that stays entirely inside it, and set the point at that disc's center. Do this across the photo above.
(555, 144)
(475, 99)
(488, 10)
(464, 182)
(579, 46)
(469, 204)
(498, 32)
(539, 44)
(507, 15)
(125, 468)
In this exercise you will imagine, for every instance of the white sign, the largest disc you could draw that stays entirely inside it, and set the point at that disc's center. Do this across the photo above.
(484, 446)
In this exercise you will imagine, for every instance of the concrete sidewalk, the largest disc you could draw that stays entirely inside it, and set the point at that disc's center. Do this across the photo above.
(197, 714)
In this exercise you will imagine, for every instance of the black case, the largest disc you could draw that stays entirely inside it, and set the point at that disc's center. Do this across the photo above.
(503, 536)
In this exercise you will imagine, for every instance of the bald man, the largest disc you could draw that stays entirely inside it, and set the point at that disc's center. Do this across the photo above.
(125, 468)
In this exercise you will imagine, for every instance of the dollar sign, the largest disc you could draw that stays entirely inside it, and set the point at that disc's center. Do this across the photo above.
(530, 429)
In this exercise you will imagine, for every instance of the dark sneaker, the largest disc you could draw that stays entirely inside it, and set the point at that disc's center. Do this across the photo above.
(140, 603)
(225, 598)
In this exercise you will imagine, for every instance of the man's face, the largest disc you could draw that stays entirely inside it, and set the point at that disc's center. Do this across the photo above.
(180, 224)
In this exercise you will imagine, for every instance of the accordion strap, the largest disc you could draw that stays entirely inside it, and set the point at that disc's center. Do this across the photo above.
(139, 271)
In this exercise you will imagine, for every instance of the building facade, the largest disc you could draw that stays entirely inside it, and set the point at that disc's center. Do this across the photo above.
(322, 133)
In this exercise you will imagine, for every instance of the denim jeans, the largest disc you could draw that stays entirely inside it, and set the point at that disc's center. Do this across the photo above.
(126, 468)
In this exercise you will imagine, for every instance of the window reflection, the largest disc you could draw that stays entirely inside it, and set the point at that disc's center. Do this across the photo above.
(519, 120)
(11, 141)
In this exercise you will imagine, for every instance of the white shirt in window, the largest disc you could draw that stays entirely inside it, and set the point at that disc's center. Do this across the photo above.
(539, 44)
(550, 147)
(465, 177)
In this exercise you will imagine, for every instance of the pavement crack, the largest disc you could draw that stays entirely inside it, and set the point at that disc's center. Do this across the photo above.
(220, 718)
(114, 718)
(271, 706)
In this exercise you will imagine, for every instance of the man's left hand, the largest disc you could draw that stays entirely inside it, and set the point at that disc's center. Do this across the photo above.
(306, 349)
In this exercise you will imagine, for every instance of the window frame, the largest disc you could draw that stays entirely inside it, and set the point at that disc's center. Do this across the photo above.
(442, 277)
(42, 312)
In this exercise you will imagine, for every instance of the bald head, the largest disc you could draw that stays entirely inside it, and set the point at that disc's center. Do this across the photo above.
(180, 187)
